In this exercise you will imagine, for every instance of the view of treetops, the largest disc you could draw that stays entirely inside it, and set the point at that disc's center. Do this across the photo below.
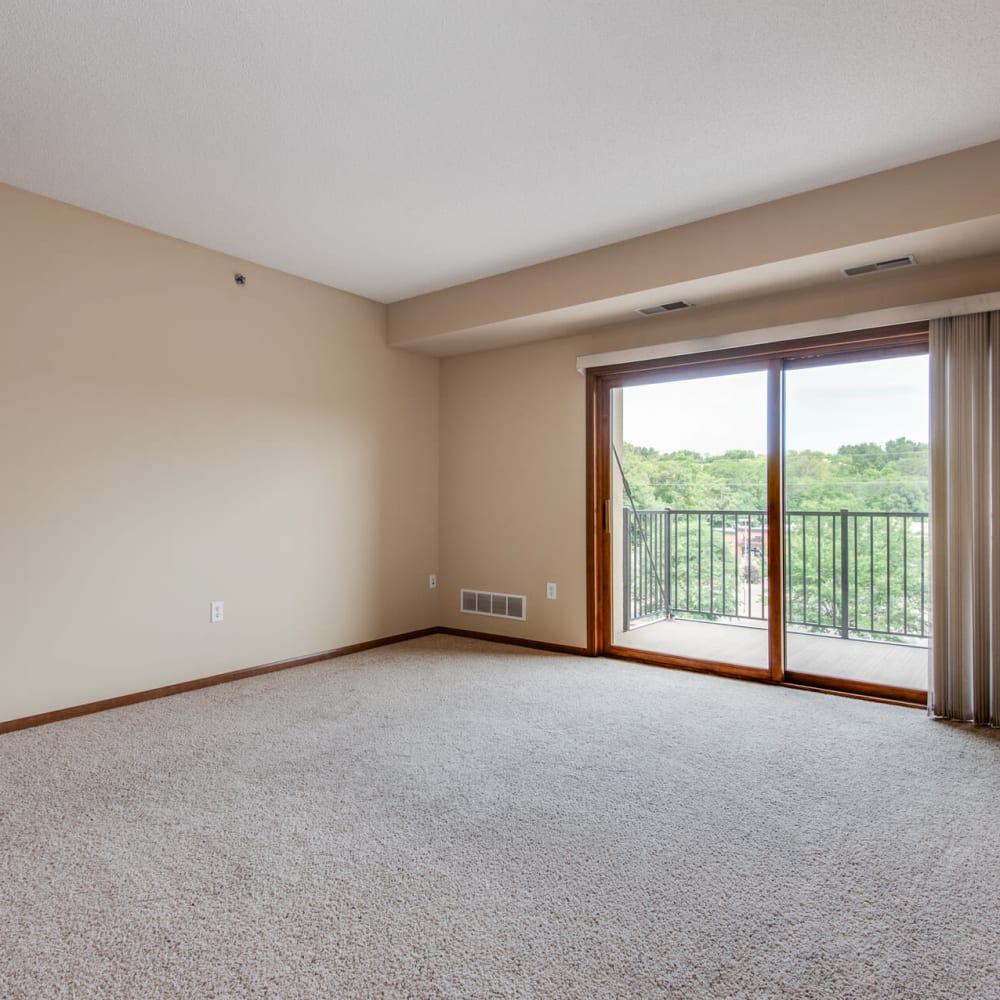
(891, 477)
(856, 540)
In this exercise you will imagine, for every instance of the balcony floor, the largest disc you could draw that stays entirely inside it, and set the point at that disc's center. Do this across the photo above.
(889, 663)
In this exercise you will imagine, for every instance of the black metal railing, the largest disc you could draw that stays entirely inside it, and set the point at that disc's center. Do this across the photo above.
(857, 574)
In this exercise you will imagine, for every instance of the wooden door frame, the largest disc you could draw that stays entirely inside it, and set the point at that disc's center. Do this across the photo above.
(870, 344)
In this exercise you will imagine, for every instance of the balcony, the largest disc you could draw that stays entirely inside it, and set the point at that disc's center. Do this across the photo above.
(856, 590)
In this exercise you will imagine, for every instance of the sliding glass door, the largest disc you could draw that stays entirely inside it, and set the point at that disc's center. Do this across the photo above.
(764, 513)
(857, 545)
(689, 479)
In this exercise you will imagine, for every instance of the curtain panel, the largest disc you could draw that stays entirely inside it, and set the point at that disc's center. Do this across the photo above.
(965, 518)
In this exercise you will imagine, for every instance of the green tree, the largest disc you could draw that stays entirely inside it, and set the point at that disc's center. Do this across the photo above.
(887, 555)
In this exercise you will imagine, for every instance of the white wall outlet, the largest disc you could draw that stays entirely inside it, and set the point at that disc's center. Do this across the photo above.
(218, 611)
(432, 581)
(550, 591)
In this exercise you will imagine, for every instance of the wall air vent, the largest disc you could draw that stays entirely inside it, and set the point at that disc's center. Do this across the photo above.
(883, 265)
(481, 602)
(667, 307)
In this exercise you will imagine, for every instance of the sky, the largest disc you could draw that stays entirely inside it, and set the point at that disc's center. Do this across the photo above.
(826, 408)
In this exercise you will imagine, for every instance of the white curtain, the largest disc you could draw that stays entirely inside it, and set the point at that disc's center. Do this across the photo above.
(965, 518)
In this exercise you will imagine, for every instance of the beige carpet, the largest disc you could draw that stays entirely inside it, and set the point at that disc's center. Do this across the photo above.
(446, 818)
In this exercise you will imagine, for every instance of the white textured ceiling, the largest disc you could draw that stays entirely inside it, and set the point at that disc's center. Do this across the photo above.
(391, 147)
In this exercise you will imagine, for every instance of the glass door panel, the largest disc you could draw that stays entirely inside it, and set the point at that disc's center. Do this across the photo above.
(689, 518)
(856, 532)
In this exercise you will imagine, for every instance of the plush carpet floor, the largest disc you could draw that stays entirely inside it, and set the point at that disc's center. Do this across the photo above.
(447, 818)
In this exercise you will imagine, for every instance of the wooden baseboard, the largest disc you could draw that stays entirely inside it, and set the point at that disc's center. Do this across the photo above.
(904, 697)
(858, 689)
(714, 667)
(510, 640)
(44, 718)
(821, 685)
(840, 693)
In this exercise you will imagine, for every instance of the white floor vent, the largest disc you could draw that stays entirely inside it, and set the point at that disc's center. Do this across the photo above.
(481, 602)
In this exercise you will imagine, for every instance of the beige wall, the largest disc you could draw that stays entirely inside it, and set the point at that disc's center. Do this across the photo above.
(513, 442)
(168, 439)
(512, 511)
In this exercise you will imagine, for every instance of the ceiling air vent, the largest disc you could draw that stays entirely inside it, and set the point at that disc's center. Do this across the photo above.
(883, 265)
(667, 307)
(482, 602)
